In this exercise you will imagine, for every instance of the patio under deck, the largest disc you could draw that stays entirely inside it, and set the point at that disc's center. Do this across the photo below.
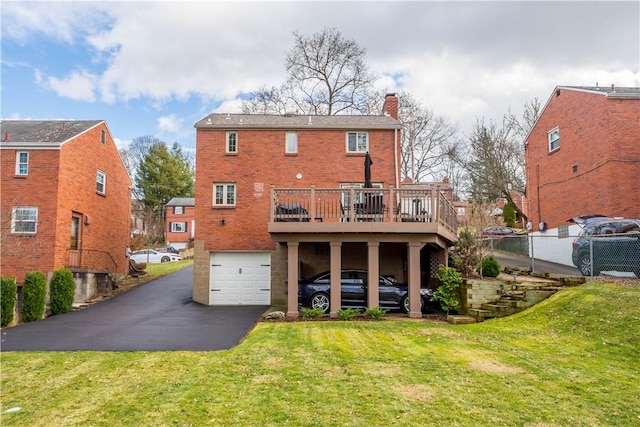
(372, 215)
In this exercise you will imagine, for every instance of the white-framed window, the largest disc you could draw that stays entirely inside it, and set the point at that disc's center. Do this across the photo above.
(101, 182)
(103, 137)
(554, 139)
(359, 198)
(232, 142)
(224, 194)
(24, 219)
(291, 142)
(22, 163)
(178, 227)
(357, 142)
(178, 210)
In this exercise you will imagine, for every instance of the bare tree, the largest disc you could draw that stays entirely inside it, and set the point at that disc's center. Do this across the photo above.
(327, 74)
(496, 163)
(427, 140)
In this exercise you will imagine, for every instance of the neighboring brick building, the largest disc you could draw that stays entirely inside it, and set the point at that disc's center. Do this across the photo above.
(180, 222)
(65, 202)
(583, 155)
(257, 173)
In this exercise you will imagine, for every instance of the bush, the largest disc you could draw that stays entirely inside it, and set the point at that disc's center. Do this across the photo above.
(447, 294)
(490, 267)
(8, 290)
(62, 289)
(348, 313)
(468, 252)
(34, 292)
(509, 215)
(375, 313)
(311, 313)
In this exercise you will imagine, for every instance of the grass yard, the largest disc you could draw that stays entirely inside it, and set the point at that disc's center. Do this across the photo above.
(572, 360)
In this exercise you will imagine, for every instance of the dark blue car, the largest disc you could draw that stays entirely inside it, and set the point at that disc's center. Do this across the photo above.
(314, 292)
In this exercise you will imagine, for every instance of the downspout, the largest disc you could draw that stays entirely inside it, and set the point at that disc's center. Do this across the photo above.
(395, 155)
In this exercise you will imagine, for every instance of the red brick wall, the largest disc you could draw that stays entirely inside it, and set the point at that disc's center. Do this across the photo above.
(188, 216)
(109, 214)
(21, 253)
(61, 182)
(261, 162)
(601, 138)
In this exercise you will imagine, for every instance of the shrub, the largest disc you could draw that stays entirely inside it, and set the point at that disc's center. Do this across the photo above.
(34, 292)
(8, 290)
(375, 313)
(311, 313)
(490, 267)
(62, 289)
(509, 215)
(447, 294)
(468, 252)
(348, 313)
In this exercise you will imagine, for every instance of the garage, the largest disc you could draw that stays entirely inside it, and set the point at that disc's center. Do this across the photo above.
(240, 278)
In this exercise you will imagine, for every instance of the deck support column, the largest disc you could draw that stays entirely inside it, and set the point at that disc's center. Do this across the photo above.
(292, 279)
(373, 271)
(413, 251)
(335, 279)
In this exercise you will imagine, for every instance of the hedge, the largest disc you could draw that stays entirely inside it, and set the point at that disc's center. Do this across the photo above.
(62, 289)
(34, 292)
(8, 294)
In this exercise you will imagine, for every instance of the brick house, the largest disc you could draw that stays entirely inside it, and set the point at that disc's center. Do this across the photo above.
(278, 198)
(583, 155)
(65, 202)
(180, 222)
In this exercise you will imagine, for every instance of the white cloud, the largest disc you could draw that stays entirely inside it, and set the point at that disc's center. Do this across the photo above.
(169, 124)
(462, 59)
(79, 85)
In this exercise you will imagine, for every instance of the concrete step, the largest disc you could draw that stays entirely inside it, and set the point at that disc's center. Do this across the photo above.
(456, 319)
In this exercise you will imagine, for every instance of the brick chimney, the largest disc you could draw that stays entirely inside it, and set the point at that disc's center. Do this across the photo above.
(390, 106)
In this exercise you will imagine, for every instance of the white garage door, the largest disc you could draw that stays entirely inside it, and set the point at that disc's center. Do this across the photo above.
(240, 278)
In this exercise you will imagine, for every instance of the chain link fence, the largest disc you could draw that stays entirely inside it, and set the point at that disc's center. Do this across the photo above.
(611, 254)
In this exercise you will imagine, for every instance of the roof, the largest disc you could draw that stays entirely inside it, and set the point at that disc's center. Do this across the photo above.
(42, 133)
(182, 201)
(609, 92)
(294, 121)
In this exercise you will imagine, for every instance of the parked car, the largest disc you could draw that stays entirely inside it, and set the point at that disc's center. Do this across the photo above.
(613, 243)
(315, 292)
(167, 249)
(152, 257)
(499, 230)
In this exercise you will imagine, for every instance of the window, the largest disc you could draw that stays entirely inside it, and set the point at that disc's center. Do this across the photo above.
(22, 163)
(224, 194)
(232, 142)
(554, 139)
(103, 137)
(75, 232)
(291, 145)
(24, 220)
(178, 210)
(178, 227)
(101, 182)
(357, 142)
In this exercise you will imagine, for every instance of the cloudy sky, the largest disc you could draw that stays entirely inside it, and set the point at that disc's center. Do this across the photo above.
(156, 67)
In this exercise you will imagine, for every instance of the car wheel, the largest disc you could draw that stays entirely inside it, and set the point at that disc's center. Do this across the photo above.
(165, 259)
(320, 300)
(584, 265)
(404, 304)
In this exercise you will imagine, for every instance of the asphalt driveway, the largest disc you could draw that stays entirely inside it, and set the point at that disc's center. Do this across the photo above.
(156, 316)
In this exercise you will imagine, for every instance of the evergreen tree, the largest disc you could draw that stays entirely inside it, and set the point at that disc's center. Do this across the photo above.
(163, 175)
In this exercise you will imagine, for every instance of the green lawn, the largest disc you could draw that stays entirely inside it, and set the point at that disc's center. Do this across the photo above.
(572, 360)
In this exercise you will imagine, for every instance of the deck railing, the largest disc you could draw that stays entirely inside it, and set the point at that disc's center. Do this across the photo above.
(361, 204)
